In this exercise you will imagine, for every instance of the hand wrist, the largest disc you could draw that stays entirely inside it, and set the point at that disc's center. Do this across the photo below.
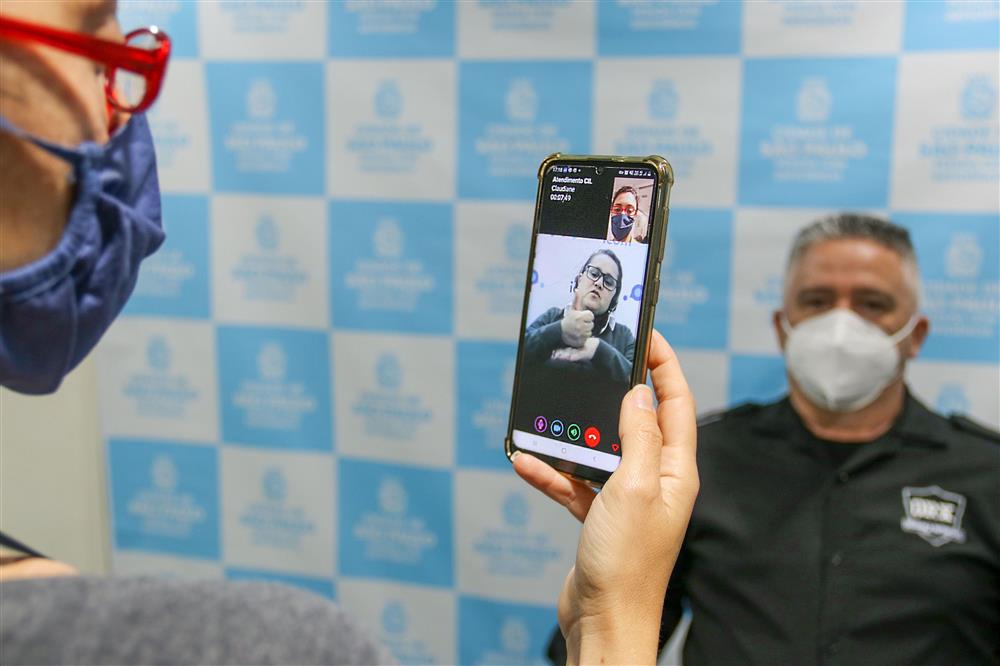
(629, 637)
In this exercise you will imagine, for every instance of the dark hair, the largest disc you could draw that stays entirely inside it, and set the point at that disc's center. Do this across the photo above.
(853, 225)
(623, 189)
(858, 226)
(618, 289)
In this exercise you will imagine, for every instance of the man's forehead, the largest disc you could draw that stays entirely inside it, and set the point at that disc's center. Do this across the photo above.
(848, 262)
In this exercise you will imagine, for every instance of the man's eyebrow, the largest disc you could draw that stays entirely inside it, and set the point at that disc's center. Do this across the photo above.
(814, 291)
(869, 291)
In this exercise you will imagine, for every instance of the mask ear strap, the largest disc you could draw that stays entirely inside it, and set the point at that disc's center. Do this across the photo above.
(786, 325)
(908, 327)
(68, 154)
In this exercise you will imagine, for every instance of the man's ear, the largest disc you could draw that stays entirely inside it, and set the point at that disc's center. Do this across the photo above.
(779, 330)
(917, 338)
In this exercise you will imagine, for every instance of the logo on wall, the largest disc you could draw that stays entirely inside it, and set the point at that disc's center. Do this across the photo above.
(156, 390)
(272, 364)
(515, 636)
(273, 484)
(392, 496)
(521, 101)
(267, 274)
(266, 232)
(682, 292)
(384, 142)
(388, 371)
(388, 100)
(517, 243)
(161, 509)
(270, 520)
(391, 534)
(933, 514)
(388, 239)
(769, 293)
(960, 289)
(272, 400)
(979, 98)
(266, 17)
(814, 102)
(163, 473)
(514, 548)
(385, 410)
(158, 353)
(516, 511)
(394, 618)
(965, 150)
(663, 100)
(952, 399)
(661, 130)
(964, 257)
(262, 101)
(512, 115)
(261, 142)
(395, 623)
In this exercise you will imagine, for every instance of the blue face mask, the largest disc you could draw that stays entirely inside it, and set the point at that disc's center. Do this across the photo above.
(621, 225)
(55, 309)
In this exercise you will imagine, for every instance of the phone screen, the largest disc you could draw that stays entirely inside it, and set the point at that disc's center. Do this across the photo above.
(584, 306)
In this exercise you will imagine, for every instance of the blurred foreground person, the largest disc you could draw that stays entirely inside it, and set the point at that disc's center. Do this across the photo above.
(847, 522)
(79, 211)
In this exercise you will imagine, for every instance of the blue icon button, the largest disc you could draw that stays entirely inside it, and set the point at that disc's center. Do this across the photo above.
(557, 427)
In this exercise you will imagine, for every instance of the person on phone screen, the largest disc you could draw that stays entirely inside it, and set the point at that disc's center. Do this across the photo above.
(79, 211)
(584, 334)
(626, 223)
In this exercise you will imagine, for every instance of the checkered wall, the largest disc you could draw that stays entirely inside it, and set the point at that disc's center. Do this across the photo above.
(312, 379)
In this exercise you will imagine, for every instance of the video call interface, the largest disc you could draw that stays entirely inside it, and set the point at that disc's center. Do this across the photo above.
(587, 277)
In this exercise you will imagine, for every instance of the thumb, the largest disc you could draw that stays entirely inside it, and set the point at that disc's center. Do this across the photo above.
(640, 434)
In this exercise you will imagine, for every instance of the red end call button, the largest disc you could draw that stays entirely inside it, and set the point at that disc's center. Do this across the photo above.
(592, 436)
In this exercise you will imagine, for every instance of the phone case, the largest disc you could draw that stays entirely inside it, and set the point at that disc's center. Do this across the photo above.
(659, 215)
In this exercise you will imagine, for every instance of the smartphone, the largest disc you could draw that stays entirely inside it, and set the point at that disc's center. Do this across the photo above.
(589, 299)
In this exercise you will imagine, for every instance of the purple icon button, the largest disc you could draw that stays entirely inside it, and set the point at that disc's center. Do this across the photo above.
(541, 423)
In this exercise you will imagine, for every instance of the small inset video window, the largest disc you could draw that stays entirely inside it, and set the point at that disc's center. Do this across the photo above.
(628, 218)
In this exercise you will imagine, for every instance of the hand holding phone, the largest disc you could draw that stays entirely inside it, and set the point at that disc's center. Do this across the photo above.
(633, 528)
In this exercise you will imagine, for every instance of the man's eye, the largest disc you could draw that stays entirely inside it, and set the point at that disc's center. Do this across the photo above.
(875, 306)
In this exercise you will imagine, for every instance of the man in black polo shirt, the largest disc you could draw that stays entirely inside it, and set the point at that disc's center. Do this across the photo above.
(846, 523)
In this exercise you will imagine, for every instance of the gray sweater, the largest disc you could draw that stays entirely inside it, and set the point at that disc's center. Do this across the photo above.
(148, 621)
(614, 354)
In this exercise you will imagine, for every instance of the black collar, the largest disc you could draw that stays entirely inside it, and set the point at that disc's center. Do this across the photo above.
(916, 425)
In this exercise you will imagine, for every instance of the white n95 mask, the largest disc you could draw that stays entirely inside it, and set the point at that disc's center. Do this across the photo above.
(841, 361)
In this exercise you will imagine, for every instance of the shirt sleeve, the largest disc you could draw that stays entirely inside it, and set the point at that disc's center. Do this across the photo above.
(544, 335)
(673, 603)
(614, 360)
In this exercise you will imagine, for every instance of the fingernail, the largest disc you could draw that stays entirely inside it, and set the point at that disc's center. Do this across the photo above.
(514, 456)
(642, 397)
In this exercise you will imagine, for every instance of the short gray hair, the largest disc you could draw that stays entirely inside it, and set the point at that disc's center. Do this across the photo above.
(860, 226)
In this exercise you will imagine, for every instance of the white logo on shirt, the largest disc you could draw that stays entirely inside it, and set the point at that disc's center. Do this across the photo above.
(933, 514)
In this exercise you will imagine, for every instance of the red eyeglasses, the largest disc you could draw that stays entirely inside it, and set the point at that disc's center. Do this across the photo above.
(134, 70)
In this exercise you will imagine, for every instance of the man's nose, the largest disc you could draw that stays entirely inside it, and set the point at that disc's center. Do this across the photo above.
(843, 301)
